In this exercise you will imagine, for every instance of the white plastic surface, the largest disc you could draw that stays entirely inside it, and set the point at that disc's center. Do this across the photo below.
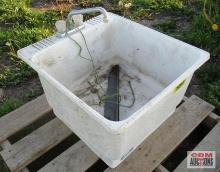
(160, 68)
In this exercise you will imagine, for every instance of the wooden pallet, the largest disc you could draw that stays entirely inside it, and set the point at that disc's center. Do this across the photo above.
(78, 157)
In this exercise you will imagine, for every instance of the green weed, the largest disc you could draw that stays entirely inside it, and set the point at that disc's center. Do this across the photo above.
(202, 35)
(213, 94)
(12, 40)
(20, 27)
(143, 9)
(160, 5)
(9, 105)
(90, 3)
(166, 27)
(209, 73)
(140, 14)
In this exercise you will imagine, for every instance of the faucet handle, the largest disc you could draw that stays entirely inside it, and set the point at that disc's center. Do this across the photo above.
(78, 20)
(61, 26)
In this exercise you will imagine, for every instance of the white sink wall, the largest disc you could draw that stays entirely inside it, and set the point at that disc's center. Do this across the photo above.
(154, 55)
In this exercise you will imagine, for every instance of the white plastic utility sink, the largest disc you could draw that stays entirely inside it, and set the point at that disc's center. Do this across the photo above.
(158, 67)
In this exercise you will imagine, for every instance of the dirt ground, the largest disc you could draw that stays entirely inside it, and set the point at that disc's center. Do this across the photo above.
(25, 91)
(51, 5)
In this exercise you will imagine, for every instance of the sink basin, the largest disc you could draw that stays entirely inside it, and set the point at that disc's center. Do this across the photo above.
(158, 67)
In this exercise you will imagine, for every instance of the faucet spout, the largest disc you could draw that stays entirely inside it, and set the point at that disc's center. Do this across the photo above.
(89, 10)
(65, 26)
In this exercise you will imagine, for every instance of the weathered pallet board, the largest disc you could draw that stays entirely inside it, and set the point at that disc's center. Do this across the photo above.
(7, 144)
(161, 168)
(20, 154)
(23, 116)
(149, 155)
(210, 143)
(173, 131)
(79, 157)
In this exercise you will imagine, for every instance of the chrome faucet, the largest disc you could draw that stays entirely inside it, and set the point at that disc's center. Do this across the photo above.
(65, 26)
(88, 10)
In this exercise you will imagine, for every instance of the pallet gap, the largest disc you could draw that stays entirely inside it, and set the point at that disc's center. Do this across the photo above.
(31, 127)
(99, 166)
(210, 122)
(3, 166)
(217, 112)
(188, 144)
(182, 101)
(53, 153)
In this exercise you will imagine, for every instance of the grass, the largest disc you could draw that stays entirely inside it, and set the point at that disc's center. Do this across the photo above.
(20, 26)
(16, 71)
(160, 5)
(210, 76)
(8, 105)
(201, 35)
(166, 27)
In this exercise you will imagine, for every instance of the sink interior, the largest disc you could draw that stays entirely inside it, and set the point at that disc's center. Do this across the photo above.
(144, 88)
(146, 58)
